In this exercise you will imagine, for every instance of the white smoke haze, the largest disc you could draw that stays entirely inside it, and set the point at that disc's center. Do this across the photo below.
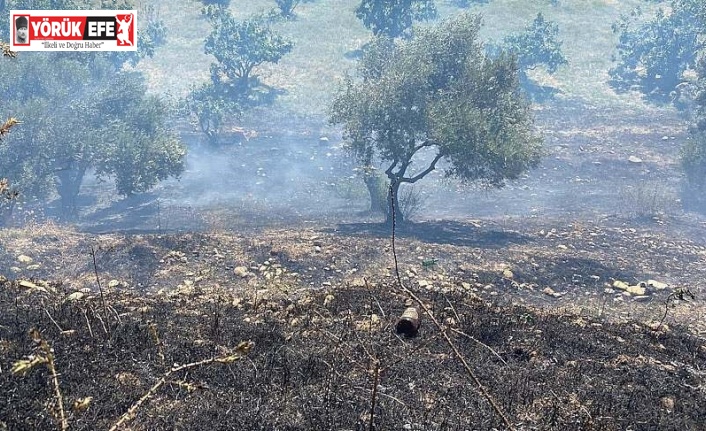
(292, 178)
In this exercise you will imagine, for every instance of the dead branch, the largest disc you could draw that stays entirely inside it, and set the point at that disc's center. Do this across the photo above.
(451, 344)
(241, 350)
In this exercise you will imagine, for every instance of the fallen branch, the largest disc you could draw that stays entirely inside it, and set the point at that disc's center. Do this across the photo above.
(241, 350)
(457, 353)
(23, 366)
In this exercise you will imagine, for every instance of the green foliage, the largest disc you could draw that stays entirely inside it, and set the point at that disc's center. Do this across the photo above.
(538, 45)
(438, 94)
(239, 47)
(392, 18)
(693, 155)
(210, 109)
(467, 3)
(218, 3)
(78, 119)
(652, 57)
(8, 193)
(286, 7)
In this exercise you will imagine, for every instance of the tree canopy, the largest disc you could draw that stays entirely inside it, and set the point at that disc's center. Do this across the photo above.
(78, 118)
(392, 18)
(438, 93)
(239, 47)
(537, 45)
(652, 57)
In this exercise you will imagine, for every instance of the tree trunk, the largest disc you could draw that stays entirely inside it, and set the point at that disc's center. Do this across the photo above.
(393, 204)
(377, 190)
(69, 184)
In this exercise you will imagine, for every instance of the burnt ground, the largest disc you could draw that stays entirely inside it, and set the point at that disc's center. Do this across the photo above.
(533, 309)
(568, 294)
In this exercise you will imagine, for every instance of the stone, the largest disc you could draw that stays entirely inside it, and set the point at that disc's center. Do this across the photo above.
(657, 284)
(241, 271)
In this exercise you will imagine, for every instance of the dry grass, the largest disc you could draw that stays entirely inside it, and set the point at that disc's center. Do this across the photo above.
(327, 32)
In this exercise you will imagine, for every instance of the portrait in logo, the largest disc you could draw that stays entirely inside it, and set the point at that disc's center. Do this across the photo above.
(125, 29)
(21, 30)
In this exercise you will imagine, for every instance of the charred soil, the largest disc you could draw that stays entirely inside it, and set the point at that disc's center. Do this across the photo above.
(538, 312)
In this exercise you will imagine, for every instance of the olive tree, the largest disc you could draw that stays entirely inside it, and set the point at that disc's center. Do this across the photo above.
(693, 155)
(239, 48)
(653, 56)
(78, 118)
(392, 18)
(538, 45)
(438, 94)
(8, 194)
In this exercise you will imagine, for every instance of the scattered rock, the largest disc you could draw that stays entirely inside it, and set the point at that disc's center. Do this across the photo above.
(358, 282)
(328, 299)
(657, 284)
(668, 403)
(550, 292)
(241, 271)
(76, 296)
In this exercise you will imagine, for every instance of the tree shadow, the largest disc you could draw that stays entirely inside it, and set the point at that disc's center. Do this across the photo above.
(260, 94)
(539, 93)
(354, 54)
(438, 232)
(126, 214)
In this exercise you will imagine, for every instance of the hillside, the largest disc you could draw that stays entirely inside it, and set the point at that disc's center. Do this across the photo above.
(533, 309)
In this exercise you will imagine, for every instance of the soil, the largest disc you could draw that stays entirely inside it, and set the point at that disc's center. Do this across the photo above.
(574, 296)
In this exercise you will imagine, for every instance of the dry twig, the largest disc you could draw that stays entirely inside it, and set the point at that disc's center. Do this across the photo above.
(451, 344)
(241, 350)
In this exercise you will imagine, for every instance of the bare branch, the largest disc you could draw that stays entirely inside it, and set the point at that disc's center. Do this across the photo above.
(424, 173)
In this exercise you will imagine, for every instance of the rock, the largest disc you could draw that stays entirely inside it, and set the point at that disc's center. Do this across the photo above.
(549, 291)
(668, 403)
(657, 284)
(23, 258)
(508, 274)
(636, 290)
(76, 296)
(328, 299)
(641, 298)
(358, 282)
(113, 283)
(241, 271)
(423, 283)
(33, 267)
(634, 159)
(620, 285)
